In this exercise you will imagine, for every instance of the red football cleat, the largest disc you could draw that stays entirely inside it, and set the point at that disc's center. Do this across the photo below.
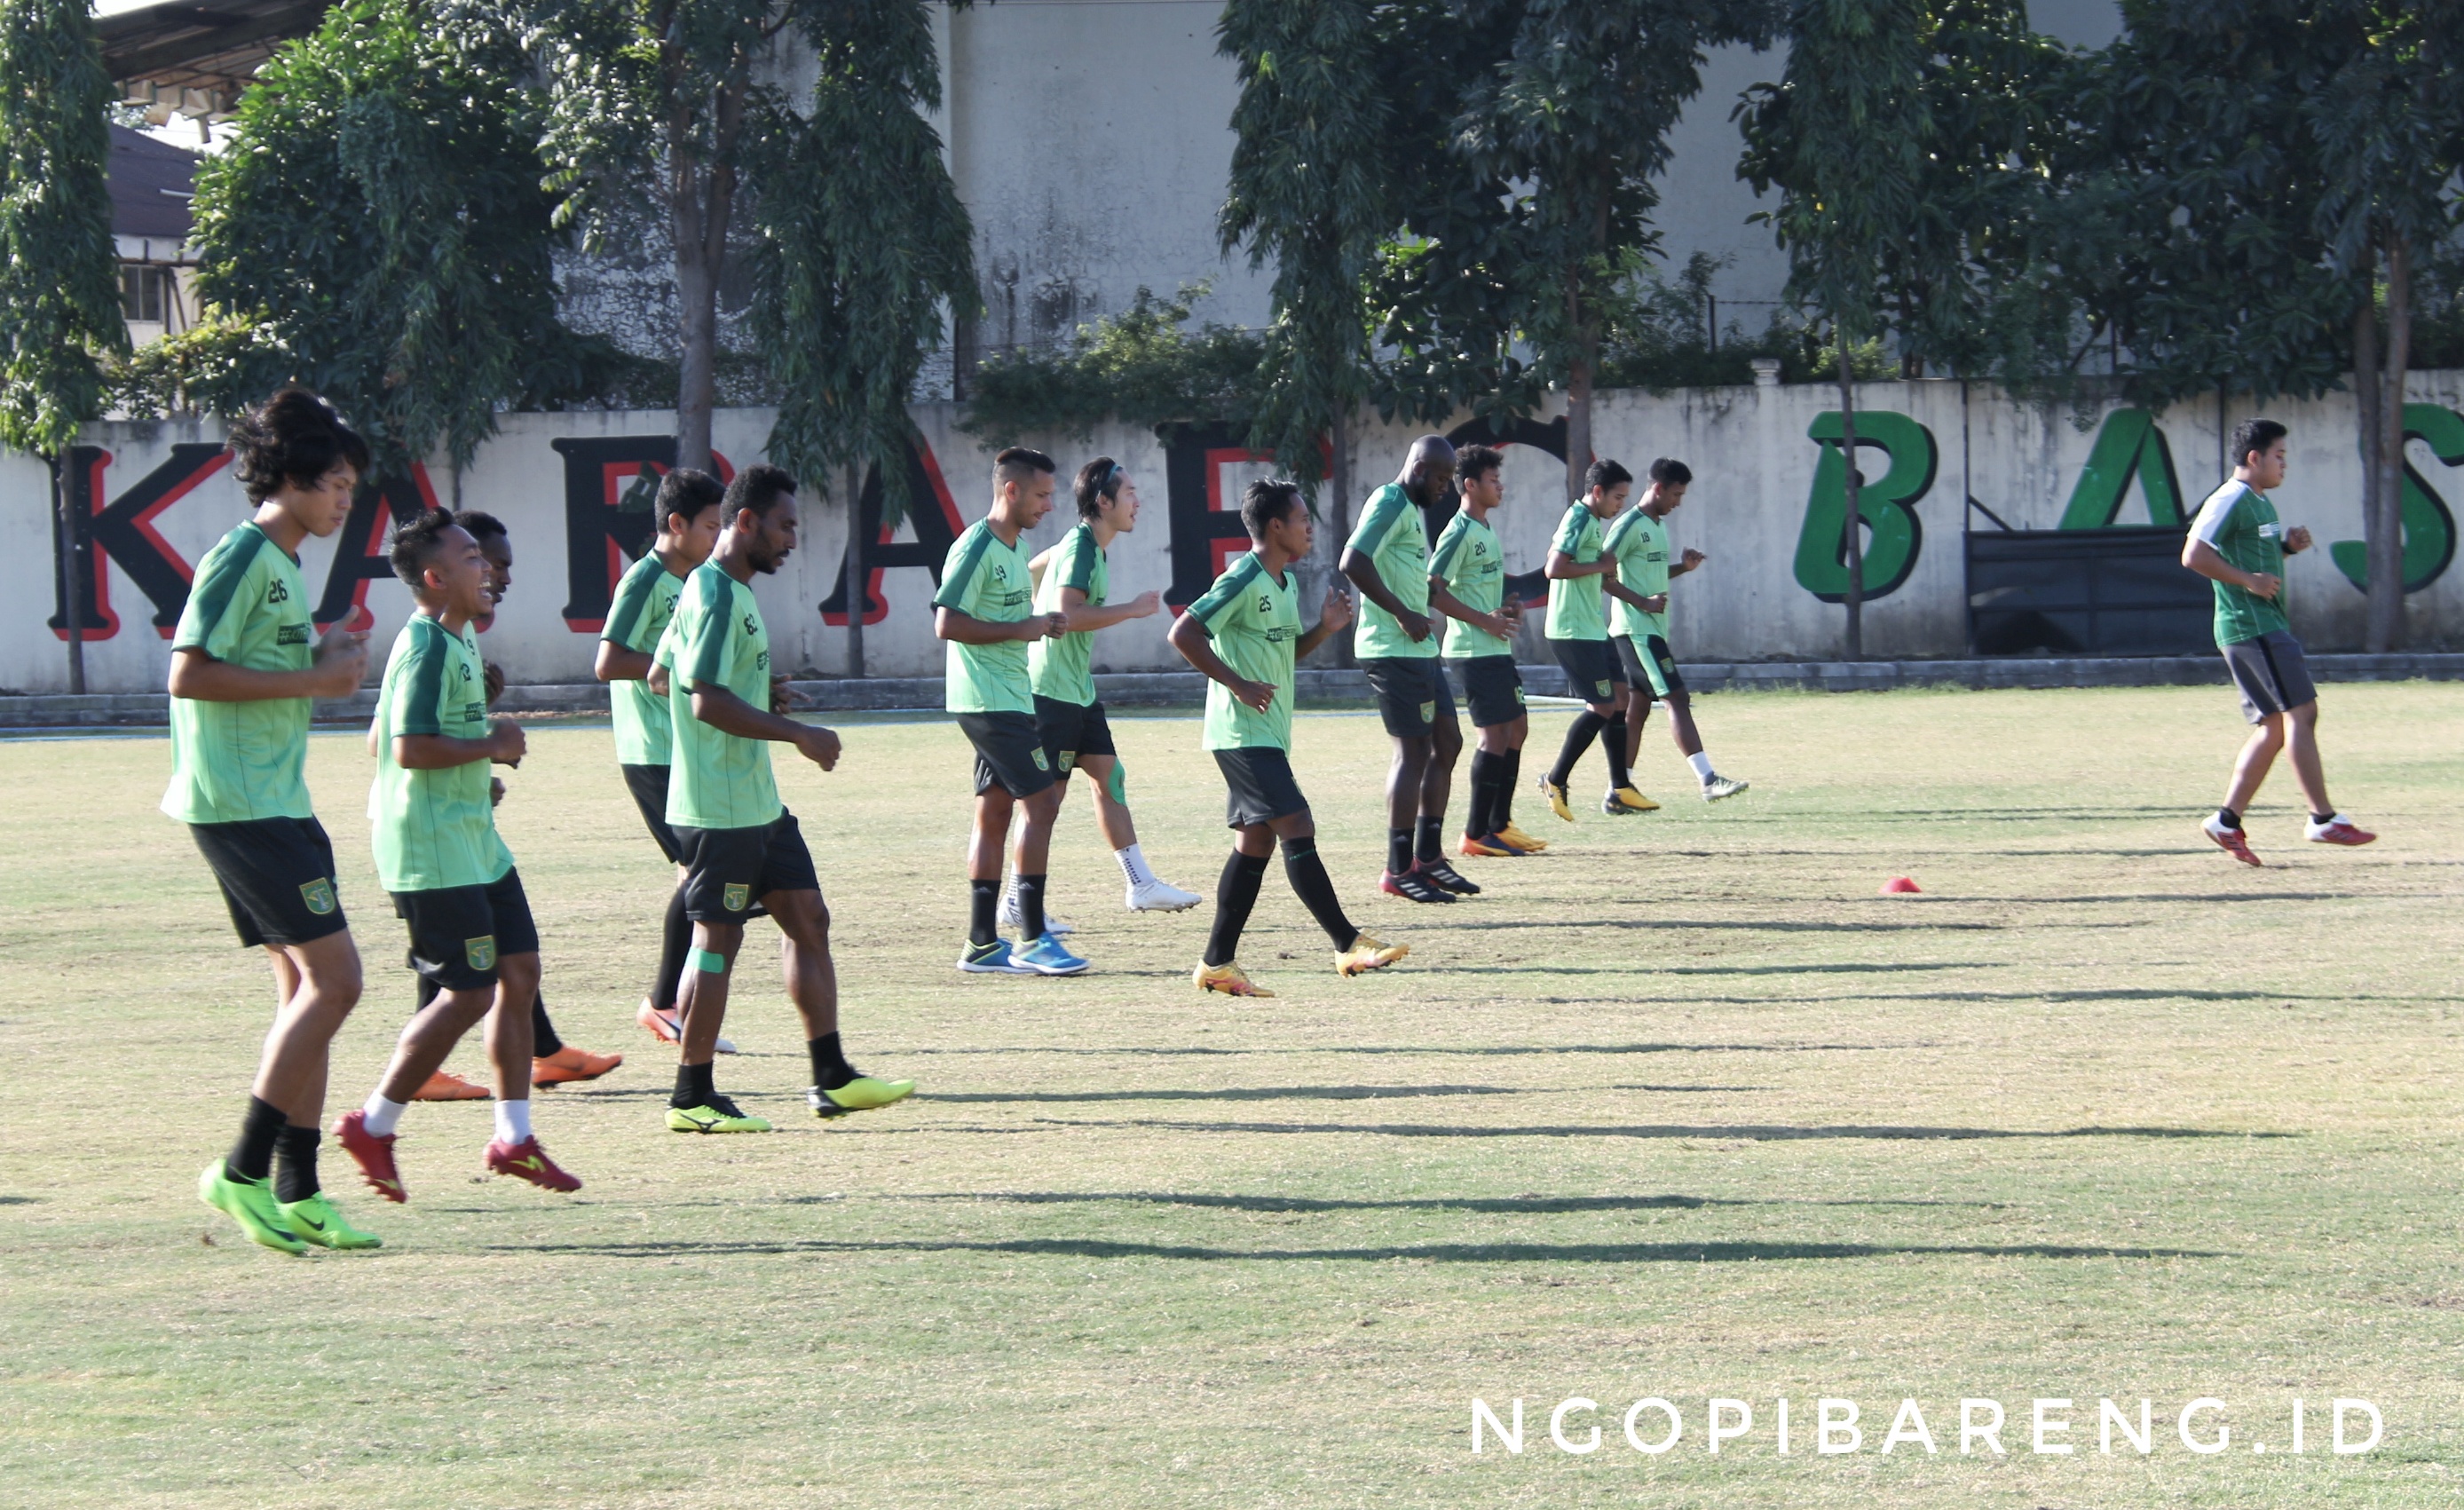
(2230, 840)
(2338, 830)
(528, 1160)
(374, 1155)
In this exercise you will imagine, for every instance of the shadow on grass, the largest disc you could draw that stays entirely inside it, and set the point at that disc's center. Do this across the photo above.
(1745, 1132)
(1198, 1052)
(1426, 1253)
(1267, 1093)
(1656, 925)
(1501, 1205)
(1728, 969)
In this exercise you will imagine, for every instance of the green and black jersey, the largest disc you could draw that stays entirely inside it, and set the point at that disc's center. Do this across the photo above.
(1574, 603)
(646, 599)
(1396, 539)
(238, 762)
(717, 780)
(1469, 561)
(985, 578)
(433, 830)
(2240, 524)
(1255, 621)
(1640, 543)
(1058, 666)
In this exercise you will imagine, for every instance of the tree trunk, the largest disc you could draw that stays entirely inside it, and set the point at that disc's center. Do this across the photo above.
(1338, 483)
(1852, 534)
(2368, 392)
(856, 576)
(2385, 536)
(72, 572)
(700, 195)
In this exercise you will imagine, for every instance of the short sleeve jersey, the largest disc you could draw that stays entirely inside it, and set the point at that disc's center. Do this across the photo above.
(1256, 624)
(646, 599)
(1575, 602)
(717, 780)
(238, 762)
(1396, 539)
(1059, 667)
(433, 829)
(1472, 566)
(2241, 523)
(986, 579)
(1640, 543)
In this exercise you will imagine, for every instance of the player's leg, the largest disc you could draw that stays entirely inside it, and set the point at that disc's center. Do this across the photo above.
(1037, 812)
(1235, 896)
(1619, 736)
(467, 991)
(1585, 663)
(1428, 833)
(1355, 951)
(2325, 824)
(1519, 733)
(515, 1149)
(986, 841)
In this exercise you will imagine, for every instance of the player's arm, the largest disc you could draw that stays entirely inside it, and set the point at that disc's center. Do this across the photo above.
(965, 628)
(616, 663)
(503, 743)
(1501, 624)
(1618, 590)
(1042, 562)
(1331, 618)
(729, 713)
(1362, 573)
(1688, 561)
(1076, 616)
(2296, 539)
(342, 662)
(1562, 566)
(1190, 635)
(2199, 553)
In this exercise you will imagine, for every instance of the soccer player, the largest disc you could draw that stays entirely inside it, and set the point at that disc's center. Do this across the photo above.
(984, 609)
(740, 844)
(2236, 544)
(438, 852)
(1638, 543)
(1073, 579)
(243, 674)
(1468, 584)
(1579, 577)
(686, 508)
(1246, 635)
(1388, 560)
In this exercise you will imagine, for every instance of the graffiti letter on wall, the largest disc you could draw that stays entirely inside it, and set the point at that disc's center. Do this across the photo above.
(1529, 587)
(1206, 528)
(930, 509)
(2127, 444)
(607, 518)
(2428, 528)
(359, 555)
(1884, 503)
(125, 531)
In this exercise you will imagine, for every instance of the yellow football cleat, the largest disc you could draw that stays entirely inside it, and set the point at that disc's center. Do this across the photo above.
(1481, 849)
(1229, 979)
(1520, 839)
(1556, 797)
(1625, 799)
(1368, 954)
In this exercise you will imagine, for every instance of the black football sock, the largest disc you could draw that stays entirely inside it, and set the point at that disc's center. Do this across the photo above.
(983, 904)
(251, 1158)
(1399, 851)
(1501, 815)
(694, 1086)
(294, 1178)
(1579, 734)
(1030, 908)
(1479, 822)
(2228, 818)
(675, 942)
(1307, 874)
(1428, 845)
(830, 1069)
(2322, 818)
(1234, 894)
(543, 1038)
(1613, 745)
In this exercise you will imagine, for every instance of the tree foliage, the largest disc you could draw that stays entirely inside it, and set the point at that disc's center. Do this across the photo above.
(1143, 365)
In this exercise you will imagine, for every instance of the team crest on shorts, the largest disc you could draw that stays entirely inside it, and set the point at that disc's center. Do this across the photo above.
(1604, 690)
(318, 895)
(1428, 713)
(1519, 699)
(1068, 758)
(737, 897)
(1040, 763)
(480, 951)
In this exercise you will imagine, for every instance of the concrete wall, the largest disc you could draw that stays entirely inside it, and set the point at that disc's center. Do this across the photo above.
(160, 494)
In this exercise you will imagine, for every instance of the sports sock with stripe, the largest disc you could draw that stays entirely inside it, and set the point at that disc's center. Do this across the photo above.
(676, 942)
(1133, 864)
(1030, 908)
(251, 1158)
(830, 1068)
(1399, 851)
(1579, 734)
(1307, 874)
(543, 1039)
(1234, 894)
(1428, 841)
(983, 899)
(694, 1086)
(295, 1172)
(1613, 745)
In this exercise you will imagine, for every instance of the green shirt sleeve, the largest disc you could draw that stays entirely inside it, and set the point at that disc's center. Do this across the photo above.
(1442, 559)
(420, 709)
(1569, 532)
(958, 571)
(633, 597)
(1078, 556)
(1224, 596)
(218, 606)
(704, 652)
(1385, 509)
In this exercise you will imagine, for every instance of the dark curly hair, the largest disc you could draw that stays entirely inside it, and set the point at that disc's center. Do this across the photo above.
(294, 437)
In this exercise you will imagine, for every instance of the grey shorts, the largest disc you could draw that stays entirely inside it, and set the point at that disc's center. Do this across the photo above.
(2272, 673)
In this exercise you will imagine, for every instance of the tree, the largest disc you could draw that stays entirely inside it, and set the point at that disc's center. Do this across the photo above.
(380, 222)
(1308, 192)
(60, 296)
(1579, 110)
(863, 246)
(1843, 136)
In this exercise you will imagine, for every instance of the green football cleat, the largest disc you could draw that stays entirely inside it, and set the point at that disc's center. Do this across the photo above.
(251, 1204)
(718, 1115)
(314, 1220)
(859, 1094)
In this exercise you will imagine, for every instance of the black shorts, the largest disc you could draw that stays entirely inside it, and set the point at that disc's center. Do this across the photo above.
(1492, 689)
(276, 875)
(2273, 674)
(1649, 664)
(1009, 753)
(1261, 783)
(1592, 672)
(729, 871)
(458, 933)
(649, 785)
(1411, 694)
(1071, 731)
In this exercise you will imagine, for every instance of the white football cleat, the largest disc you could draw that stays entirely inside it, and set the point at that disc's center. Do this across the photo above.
(1153, 895)
(1719, 786)
(1012, 920)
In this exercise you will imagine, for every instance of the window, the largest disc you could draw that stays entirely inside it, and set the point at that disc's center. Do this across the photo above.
(147, 293)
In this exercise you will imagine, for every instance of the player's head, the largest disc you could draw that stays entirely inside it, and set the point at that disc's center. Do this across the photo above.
(688, 510)
(1479, 473)
(2259, 453)
(1669, 477)
(442, 564)
(496, 547)
(1605, 486)
(759, 517)
(1105, 492)
(1429, 469)
(293, 450)
(1023, 481)
(1272, 510)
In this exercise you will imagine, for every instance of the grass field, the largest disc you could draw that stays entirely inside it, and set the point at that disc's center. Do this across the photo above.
(1681, 1109)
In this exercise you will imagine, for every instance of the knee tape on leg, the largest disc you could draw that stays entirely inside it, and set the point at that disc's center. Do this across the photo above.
(1116, 781)
(709, 962)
